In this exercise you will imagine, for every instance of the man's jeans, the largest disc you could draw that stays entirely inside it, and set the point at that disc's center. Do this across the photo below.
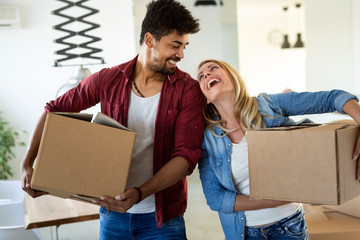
(290, 228)
(127, 226)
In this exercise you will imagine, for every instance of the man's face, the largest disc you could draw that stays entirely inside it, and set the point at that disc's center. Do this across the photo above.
(167, 52)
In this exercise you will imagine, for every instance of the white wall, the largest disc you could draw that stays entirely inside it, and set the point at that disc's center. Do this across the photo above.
(27, 76)
(331, 25)
(264, 66)
(356, 44)
(330, 59)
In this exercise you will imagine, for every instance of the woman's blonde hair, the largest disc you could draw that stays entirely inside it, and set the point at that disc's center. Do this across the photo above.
(245, 107)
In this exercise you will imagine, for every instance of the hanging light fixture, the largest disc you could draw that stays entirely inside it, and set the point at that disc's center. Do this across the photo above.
(205, 3)
(299, 43)
(285, 43)
(79, 74)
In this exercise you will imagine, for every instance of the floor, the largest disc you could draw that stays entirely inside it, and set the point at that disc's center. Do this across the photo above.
(201, 222)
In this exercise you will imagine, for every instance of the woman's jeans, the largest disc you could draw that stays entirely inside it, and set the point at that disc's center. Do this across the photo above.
(124, 226)
(290, 228)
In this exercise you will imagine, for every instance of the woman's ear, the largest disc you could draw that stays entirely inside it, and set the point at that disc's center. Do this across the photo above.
(208, 101)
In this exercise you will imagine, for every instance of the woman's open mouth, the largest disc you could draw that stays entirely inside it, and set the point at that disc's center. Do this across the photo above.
(212, 83)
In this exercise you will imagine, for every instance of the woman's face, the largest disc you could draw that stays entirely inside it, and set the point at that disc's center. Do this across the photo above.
(215, 82)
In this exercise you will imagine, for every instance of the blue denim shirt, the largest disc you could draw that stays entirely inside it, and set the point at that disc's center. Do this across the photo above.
(215, 162)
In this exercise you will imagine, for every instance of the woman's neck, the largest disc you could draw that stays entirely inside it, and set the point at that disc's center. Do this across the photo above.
(226, 112)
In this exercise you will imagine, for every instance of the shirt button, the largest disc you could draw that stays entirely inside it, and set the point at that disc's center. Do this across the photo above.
(242, 218)
(228, 160)
(169, 111)
(242, 235)
(195, 127)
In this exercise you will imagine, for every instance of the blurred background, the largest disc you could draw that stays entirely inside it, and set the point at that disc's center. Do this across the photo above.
(276, 45)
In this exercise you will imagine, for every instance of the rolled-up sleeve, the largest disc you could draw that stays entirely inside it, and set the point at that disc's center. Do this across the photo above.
(189, 126)
(81, 97)
(217, 196)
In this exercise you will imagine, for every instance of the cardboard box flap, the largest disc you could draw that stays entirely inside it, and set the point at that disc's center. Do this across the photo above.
(351, 207)
(64, 194)
(288, 128)
(81, 116)
(344, 121)
(105, 120)
(304, 126)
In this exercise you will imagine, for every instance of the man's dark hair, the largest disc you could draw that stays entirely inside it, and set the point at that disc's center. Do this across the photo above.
(164, 16)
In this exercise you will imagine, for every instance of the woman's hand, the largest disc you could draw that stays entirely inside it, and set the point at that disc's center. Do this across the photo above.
(356, 157)
(352, 108)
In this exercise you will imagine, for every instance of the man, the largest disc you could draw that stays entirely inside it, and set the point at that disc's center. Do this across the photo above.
(163, 105)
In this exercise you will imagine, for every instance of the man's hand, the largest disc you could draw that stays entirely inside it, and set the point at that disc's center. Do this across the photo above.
(26, 175)
(121, 203)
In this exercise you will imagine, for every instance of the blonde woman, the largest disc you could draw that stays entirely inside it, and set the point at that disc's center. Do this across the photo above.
(230, 112)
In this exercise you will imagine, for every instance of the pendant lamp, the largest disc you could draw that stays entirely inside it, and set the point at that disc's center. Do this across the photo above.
(285, 43)
(299, 43)
(79, 74)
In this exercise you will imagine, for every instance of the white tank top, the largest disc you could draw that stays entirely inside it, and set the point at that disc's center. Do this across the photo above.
(240, 176)
(141, 119)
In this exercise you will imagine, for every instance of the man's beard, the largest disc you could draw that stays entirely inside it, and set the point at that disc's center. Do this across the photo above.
(158, 68)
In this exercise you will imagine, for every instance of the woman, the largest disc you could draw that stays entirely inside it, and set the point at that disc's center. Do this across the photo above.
(230, 113)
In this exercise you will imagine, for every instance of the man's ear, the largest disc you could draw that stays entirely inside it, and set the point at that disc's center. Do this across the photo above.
(149, 40)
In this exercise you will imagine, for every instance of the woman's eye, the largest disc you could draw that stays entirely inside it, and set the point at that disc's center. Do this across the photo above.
(213, 67)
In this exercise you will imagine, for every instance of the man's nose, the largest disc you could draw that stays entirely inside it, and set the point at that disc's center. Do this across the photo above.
(180, 53)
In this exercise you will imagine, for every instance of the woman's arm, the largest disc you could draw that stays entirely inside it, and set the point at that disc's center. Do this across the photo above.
(224, 200)
(244, 203)
(217, 196)
(301, 103)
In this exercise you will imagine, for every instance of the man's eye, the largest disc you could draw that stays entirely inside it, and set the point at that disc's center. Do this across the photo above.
(176, 47)
(200, 77)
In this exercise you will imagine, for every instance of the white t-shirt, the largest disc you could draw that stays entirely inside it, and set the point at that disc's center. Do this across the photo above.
(141, 119)
(240, 176)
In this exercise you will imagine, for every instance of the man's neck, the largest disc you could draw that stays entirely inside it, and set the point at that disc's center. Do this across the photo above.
(143, 74)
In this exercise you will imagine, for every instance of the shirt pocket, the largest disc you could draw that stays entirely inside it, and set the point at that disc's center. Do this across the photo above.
(215, 162)
(171, 117)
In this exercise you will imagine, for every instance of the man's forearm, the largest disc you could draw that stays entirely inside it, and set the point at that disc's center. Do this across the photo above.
(34, 142)
(175, 170)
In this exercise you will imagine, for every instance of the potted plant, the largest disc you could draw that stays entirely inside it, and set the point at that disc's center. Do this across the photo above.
(8, 140)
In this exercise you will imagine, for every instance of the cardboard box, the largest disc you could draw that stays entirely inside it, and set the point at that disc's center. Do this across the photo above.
(351, 208)
(83, 160)
(311, 163)
(329, 225)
